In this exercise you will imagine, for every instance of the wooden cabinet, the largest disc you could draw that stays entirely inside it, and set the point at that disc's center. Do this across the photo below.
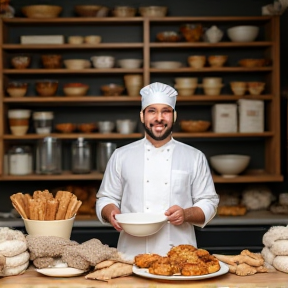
(136, 38)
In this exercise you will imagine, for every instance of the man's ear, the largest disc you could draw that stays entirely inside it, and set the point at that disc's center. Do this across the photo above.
(141, 116)
(175, 116)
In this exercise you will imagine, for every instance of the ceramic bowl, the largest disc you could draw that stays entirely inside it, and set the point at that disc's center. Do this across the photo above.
(75, 89)
(212, 90)
(92, 39)
(141, 224)
(125, 126)
(77, 64)
(21, 62)
(106, 126)
(91, 10)
(256, 88)
(250, 63)
(153, 11)
(51, 61)
(103, 62)
(124, 11)
(193, 126)
(197, 61)
(186, 81)
(46, 87)
(41, 11)
(166, 64)
(17, 89)
(192, 32)
(238, 87)
(75, 40)
(212, 81)
(217, 60)
(112, 89)
(130, 63)
(87, 127)
(65, 127)
(244, 33)
(168, 36)
(58, 228)
(229, 165)
(185, 91)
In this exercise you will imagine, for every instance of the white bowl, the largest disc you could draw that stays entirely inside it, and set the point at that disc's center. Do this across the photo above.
(243, 33)
(229, 165)
(166, 64)
(130, 63)
(59, 228)
(19, 113)
(141, 224)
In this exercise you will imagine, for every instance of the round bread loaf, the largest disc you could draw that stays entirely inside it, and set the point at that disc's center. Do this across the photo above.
(10, 248)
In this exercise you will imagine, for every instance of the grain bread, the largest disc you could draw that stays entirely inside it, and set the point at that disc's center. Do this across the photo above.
(17, 260)
(11, 271)
(115, 270)
(11, 248)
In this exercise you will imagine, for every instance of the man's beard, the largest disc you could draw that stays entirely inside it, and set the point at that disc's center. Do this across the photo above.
(149, 131)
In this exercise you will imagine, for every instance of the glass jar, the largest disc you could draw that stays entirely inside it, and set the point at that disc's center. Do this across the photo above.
(43, 122)
(81, 157)
(19, 160)
(48, 156)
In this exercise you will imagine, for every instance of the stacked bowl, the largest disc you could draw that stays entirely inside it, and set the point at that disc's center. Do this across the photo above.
(212, 85)
(186, 86)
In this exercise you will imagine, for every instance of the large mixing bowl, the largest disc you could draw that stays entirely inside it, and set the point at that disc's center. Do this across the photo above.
(141, 224)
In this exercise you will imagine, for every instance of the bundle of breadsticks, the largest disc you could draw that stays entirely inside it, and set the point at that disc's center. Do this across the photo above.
(42, 205)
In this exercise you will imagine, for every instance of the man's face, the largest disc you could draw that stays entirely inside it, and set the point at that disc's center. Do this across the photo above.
(158, 121)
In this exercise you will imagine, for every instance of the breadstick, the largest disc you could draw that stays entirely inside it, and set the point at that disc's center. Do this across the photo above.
(19, 204)
(33, 209)
(26, 199)
(41, 208)
(51, 209)
(63, 204)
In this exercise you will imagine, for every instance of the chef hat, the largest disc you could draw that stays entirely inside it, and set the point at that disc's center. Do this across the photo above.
(158, 93)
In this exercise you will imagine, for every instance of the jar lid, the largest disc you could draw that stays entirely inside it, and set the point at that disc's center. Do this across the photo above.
(19, 113)
(19, 149)
(44, 115)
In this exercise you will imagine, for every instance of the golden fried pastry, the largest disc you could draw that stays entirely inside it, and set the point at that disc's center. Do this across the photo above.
(146, 260)
(162, 267)
(191, 269)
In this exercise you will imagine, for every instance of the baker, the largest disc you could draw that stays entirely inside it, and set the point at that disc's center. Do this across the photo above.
(158, 174)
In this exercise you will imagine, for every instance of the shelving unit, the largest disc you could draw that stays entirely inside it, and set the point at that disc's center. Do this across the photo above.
(137, 40)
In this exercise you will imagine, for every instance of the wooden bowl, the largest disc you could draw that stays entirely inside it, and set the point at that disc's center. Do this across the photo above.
(65, 127)
(87, 127)
(52, 61)
(75, 89)
(168, 36)
(21, 62)
(251, 63)
(41, 11)
(193, 126)
(91, 10)
(112, 89)
(46, 87)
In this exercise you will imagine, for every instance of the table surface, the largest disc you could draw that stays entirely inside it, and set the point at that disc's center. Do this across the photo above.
(33, 279)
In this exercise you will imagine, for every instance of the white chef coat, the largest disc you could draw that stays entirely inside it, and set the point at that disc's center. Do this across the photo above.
(142, 178)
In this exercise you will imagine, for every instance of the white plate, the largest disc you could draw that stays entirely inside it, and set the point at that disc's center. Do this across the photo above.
(61, 272)
(144, 273)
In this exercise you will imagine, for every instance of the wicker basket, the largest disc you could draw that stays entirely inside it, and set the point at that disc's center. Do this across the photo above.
(41, 11)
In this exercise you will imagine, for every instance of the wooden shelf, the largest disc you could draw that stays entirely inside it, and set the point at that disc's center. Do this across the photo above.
(267, 45)
(258, 176)
(135, 135)
(128, 99)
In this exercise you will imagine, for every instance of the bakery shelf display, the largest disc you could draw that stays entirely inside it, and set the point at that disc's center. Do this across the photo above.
(136, 38)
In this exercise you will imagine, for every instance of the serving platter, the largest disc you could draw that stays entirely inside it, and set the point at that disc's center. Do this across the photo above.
(145, 273)
(60, 272)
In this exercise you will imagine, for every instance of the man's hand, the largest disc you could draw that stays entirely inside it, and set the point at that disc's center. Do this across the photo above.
(108, 213)
(175, 215)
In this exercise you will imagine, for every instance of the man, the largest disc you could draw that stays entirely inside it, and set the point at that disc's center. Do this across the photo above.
(158, 174)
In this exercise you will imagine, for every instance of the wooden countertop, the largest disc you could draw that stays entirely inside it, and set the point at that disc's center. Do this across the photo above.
(32, 279)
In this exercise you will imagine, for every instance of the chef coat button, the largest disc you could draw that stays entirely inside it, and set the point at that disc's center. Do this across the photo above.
(168, 150)
(147, 181)
(166, 183)
(167, 159)
(147, 208)
(147, 159)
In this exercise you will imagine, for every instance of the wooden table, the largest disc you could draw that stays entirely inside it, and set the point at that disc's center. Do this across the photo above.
(32, 279)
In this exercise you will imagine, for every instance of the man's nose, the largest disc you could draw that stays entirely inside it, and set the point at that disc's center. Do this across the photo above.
(159, 116)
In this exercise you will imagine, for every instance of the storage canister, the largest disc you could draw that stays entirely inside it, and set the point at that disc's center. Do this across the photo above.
(104, 152)
(43, 122)
(48, 156)
(81, 156)
(20, 160)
